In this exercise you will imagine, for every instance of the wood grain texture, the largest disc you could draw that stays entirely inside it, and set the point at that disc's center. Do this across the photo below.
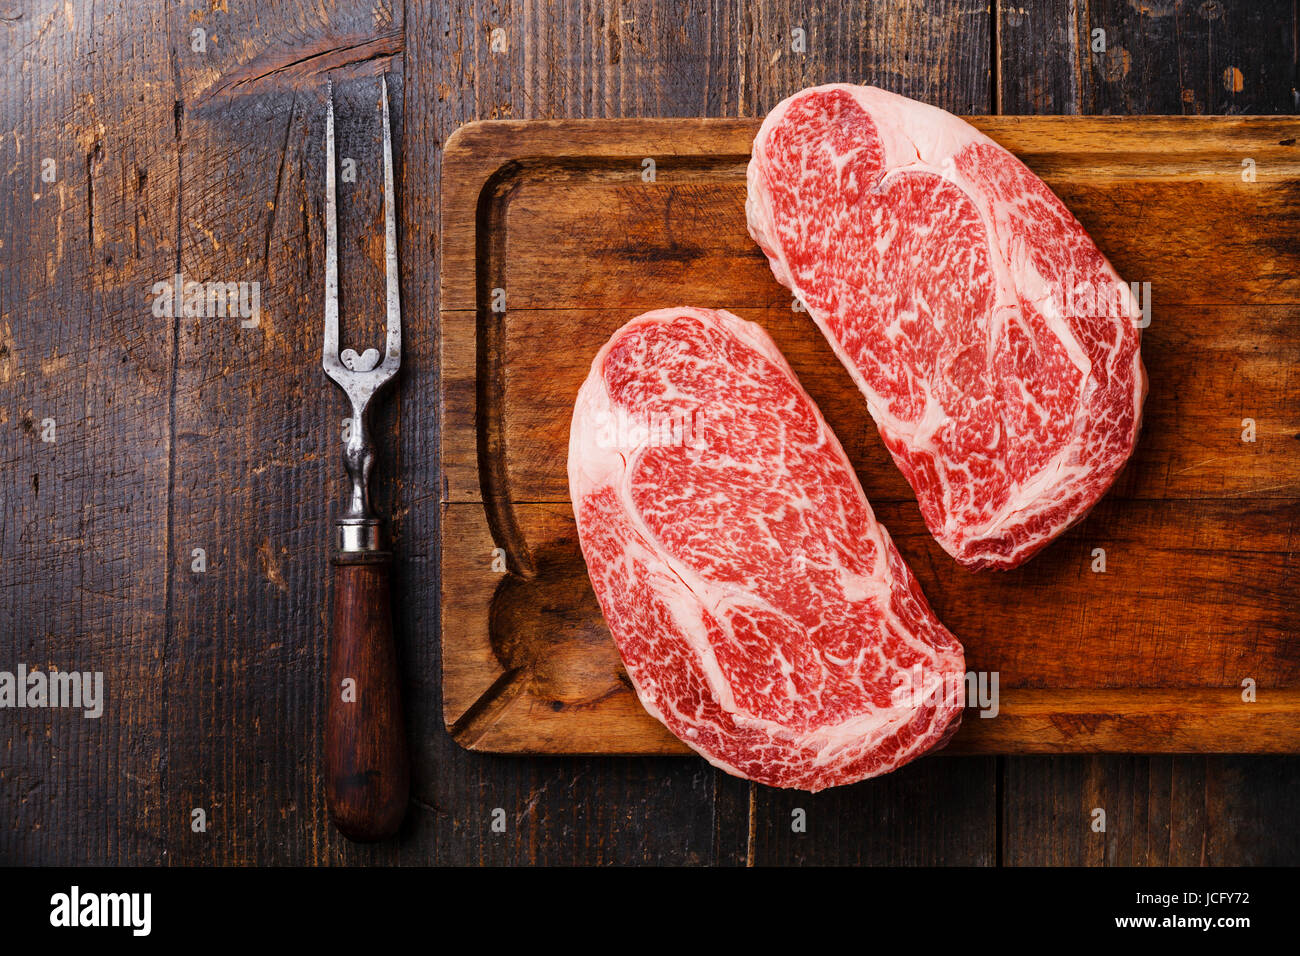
(935, 51)
(1209, 56)
(166, 157)
(84, 518)
(928, 813)
(367, 766)
(1159, 811)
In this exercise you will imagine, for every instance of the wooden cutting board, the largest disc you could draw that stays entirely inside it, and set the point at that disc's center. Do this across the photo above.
(556, 233)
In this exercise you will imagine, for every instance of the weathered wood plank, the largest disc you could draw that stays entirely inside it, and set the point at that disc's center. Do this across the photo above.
(1217, 56)
(938, 811)
(936, 52)
(84, 532)
(1159, 811)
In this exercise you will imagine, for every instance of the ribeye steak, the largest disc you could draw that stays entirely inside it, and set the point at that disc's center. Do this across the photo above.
(761, 612)
(997, 348)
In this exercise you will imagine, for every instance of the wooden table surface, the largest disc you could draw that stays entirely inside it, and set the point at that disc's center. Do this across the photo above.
(168, 483)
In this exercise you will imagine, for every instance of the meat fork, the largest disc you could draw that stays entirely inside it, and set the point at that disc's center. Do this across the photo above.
(367, 774)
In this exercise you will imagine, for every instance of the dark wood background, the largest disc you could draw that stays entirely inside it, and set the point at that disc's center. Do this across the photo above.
(176, 434)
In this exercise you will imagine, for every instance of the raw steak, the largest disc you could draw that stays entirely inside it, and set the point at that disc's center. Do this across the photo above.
(762, 613)
(995, 345)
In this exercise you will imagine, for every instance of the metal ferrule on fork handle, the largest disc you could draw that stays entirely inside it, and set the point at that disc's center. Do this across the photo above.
(359, 536)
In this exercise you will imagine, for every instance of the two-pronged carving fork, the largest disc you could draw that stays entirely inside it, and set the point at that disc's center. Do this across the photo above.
(367, 775)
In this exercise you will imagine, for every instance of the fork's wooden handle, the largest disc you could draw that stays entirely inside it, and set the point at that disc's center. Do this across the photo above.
(367, 773)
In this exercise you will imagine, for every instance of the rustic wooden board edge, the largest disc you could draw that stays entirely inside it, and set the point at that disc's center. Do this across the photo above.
(612, 136)
(1029, 721)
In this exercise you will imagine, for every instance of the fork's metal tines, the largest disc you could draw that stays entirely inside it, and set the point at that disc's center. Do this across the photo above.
(360, 376)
